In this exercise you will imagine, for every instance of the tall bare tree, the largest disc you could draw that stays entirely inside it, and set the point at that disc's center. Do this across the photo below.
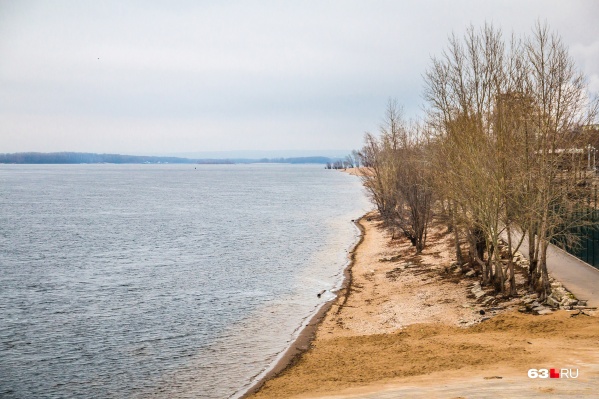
(397, 177)
(506, 118)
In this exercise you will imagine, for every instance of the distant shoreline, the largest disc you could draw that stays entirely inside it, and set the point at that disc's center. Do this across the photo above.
(63, 158)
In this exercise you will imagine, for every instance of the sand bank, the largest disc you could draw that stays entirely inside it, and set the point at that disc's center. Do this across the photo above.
(408, 327)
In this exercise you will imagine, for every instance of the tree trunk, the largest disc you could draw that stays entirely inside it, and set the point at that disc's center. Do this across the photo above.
(533, 275)
(456, 236)
(510, 255)
(545, 288)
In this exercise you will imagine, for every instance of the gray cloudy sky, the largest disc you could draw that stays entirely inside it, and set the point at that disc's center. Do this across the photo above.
(188, 76)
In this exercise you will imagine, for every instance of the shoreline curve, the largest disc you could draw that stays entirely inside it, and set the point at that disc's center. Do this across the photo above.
(302, 342)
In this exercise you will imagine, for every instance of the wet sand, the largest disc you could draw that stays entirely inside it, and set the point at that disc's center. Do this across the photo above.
(406, 326)
(303, 342)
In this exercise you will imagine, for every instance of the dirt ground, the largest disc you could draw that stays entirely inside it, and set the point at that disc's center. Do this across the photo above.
(409, 328)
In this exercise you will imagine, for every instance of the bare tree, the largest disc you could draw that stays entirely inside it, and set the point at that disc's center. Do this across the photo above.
(398, 177)
(505, 120)
(560, 105)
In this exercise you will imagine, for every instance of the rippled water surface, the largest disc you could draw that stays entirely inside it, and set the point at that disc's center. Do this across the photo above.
(121, 281)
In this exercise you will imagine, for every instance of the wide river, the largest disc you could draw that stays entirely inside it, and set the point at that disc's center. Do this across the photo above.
(174, 281)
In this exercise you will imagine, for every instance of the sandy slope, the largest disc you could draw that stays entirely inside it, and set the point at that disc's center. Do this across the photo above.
(408, 329)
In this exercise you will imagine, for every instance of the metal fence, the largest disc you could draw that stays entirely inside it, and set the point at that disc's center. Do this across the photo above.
(587, 247)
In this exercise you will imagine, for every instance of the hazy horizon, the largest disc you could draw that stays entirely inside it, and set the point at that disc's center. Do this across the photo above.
(256, 154)
(243, 154)
(194, 77)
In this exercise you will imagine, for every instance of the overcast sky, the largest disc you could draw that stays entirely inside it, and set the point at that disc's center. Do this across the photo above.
(149, 77)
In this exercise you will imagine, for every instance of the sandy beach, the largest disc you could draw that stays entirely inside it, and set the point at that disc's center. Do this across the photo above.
(408, 326)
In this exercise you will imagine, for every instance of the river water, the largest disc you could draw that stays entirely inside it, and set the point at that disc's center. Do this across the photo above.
(178, 281)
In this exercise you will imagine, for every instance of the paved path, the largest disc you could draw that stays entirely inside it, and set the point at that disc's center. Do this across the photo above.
(577, 276)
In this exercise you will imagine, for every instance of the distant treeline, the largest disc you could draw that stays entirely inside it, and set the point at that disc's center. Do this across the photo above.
(81, 157)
